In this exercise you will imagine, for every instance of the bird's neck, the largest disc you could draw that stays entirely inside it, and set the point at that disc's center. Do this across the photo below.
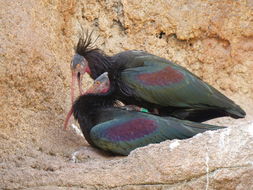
(98, 63)
(87, 108)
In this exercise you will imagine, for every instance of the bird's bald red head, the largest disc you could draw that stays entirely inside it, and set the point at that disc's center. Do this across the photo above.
(100, 86)
(79, 66)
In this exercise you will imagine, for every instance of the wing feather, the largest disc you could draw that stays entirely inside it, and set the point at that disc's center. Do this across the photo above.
(164, 83)
(125, 133)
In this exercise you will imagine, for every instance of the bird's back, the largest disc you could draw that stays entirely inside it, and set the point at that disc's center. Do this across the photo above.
(148, 79)
(121, 131)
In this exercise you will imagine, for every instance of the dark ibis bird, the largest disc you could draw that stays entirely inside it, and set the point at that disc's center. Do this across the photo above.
(119, 131)
(154, 83)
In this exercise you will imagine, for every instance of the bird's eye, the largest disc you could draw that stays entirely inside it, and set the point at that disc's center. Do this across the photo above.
(97, 82)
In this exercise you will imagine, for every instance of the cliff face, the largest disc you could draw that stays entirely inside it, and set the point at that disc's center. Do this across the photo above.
(212, 39)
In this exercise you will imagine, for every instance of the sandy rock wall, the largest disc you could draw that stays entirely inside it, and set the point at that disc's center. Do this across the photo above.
(34, 73)
(204, 36)
(212, 39)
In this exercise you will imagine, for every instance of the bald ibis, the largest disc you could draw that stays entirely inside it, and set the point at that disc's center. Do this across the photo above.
(119, 131)
(154, 83)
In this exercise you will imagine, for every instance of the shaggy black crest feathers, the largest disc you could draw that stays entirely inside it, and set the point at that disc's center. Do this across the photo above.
(98, 61)
(85, 45)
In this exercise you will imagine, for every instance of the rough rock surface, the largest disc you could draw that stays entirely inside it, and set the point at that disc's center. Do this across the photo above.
(212, 39)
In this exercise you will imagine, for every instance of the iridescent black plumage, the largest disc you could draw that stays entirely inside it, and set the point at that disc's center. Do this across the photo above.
(152, 82)
(120, 131)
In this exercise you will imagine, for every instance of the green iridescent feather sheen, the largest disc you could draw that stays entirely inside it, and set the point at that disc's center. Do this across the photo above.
(166, 128)
(190, 92)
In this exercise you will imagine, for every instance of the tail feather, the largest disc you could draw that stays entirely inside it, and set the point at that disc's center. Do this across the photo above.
(189, 128)
(236, 112)
(202, 126)
(230, 106)
(200, 115)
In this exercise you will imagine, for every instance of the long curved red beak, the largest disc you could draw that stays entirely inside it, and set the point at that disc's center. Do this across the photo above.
(76, 76)
(67, 118)
(73, 80)
(100, 85)
(79, 66)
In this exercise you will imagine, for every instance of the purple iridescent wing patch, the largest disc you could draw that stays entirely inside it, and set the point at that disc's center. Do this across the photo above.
(165, 76)
(131, 130)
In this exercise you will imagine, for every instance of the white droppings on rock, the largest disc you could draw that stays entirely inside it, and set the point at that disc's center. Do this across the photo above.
(222, 140)
(250, 128)
(207, 168)
(73, 157)
(210, 133)
(174, 145)
(77, 130)
(223, 137)
(198, 135)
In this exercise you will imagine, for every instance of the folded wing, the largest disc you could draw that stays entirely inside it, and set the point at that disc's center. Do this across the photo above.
(123, 134)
